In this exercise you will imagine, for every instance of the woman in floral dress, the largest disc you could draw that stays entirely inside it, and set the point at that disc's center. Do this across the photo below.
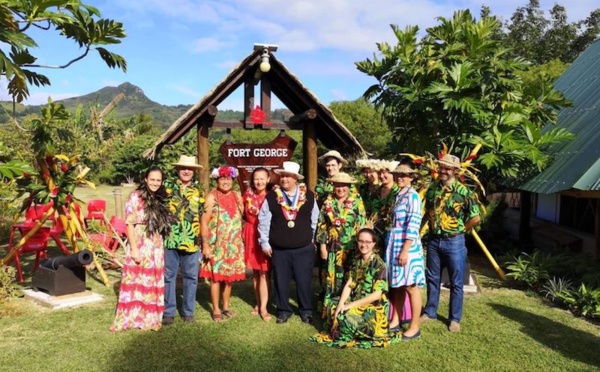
(255, 257)
(404, 260)
(369, 190)
(222, 244)
(141, 293)
(360, 316)
(340, 218)
(383, 204)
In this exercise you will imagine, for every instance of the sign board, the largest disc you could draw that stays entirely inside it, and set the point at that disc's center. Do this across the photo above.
(248, 156)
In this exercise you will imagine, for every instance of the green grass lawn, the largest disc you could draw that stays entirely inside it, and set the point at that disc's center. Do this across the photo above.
(502, 330)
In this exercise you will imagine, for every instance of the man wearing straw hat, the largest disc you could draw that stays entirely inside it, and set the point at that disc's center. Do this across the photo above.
(452, 210)
(333, 162)
(286, 226)
(183, 244)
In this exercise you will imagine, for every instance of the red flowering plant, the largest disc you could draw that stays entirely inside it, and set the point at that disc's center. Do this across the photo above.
(54, 180)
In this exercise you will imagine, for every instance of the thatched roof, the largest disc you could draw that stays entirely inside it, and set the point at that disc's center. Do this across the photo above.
(290, 91)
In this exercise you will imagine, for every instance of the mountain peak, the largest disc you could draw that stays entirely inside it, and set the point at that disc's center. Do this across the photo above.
(128, 88)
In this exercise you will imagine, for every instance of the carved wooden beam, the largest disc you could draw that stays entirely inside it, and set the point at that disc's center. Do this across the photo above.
(306, 115)
(240, 125)
(212, 110)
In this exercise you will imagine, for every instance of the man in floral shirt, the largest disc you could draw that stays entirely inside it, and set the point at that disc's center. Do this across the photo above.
(333, 162)
(183, 244)
(452, 210)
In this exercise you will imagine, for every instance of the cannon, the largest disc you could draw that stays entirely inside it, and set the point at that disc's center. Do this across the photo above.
(62, 275)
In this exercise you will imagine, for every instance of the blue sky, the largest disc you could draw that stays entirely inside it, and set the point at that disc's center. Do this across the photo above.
(178, 50)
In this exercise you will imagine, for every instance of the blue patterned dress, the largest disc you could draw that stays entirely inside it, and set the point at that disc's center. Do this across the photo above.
(406, 222)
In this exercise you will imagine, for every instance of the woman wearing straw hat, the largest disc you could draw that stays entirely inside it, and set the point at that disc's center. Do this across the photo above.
(368, 190)
(222, 247)
(404, 254)
(339, 220)
(383, 204)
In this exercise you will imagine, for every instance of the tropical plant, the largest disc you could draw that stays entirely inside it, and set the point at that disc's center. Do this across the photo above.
(583, 301)
(532, 270)
(361, 118)
(556, 290)
(459, 86)
(20, 20)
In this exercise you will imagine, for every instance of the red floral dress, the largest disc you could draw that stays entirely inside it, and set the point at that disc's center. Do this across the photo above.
(254, 256)
(225, 236)
(141, 294)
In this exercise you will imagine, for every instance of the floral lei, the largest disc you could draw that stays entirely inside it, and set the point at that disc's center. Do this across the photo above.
(252, 199)
(301, 198)
(341, 219)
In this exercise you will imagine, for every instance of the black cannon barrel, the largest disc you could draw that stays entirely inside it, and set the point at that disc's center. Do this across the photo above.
(81, 258)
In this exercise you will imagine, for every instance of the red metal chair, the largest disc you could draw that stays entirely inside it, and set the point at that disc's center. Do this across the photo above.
(37, 243)
(36, 212)
(120, 227)
(95, 211)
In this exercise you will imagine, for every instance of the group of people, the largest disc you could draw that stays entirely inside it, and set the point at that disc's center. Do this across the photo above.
(365, 238)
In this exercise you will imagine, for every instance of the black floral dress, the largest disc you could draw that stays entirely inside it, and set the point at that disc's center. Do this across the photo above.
(382, 209)
(337, 227)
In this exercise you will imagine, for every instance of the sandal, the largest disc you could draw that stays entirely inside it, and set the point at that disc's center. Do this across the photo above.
(254, 311)
(218, 318)
(229, 314)
(266, 317)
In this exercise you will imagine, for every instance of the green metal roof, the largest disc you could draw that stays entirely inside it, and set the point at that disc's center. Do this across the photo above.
(576, 164)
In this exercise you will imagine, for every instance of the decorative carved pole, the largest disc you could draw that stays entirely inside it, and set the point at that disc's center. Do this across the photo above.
(309, 144)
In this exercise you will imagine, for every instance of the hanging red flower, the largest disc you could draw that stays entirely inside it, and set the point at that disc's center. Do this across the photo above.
(257, 115)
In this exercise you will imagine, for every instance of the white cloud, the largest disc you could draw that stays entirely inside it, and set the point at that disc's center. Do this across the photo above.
(338, 95)
(187, 91)
(207, 44)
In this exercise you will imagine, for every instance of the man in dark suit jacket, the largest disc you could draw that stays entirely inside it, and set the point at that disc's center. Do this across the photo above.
(286, 227)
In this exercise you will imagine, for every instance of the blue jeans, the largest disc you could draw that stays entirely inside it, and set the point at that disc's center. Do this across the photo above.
(190, 264)
(449, 253)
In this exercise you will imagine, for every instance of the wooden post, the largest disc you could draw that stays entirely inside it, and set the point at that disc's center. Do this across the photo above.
(118, 202)
(309, 147)
(525, 217)
(248, 101)
(203, 153)
(265, 96)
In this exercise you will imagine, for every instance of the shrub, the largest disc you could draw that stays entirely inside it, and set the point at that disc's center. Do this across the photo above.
(532, 270)
(584, 301)
(8, 287)
(556, 290)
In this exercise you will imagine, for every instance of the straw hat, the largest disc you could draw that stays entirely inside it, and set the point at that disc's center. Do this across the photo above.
(290, 167)
(450, 161)
(332, 154)
(364, 163)
(188, 162)
(385, 164)
(405, 169)
(342, 177)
